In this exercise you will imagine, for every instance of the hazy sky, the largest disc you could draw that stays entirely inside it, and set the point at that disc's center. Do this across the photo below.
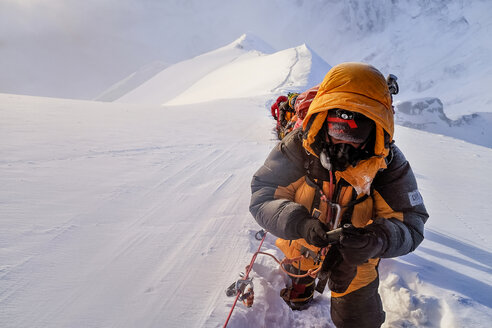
(73, 48)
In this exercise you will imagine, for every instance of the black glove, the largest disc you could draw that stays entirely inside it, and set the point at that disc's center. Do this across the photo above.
(357, 245)
(341, 276)
(314, 232)
(336, 272)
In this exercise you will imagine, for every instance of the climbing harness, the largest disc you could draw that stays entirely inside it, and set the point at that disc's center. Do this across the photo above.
(243, 288)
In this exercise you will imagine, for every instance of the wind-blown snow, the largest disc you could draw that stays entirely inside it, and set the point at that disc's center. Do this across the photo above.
(247, 76)
(178, 78)
(118, 214)
(132, 81)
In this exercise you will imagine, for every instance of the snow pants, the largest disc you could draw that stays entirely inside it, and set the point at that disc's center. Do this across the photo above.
(359, 309)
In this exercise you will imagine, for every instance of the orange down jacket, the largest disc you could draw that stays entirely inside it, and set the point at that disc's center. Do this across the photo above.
(383, 186)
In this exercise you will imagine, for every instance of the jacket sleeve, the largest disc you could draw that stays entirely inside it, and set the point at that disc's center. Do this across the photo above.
(400, 210)
(272, 200)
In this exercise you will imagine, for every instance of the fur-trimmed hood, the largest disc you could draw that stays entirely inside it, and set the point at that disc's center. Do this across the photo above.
(356, 87)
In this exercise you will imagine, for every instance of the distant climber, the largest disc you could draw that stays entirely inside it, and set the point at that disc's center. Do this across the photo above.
(283, 111)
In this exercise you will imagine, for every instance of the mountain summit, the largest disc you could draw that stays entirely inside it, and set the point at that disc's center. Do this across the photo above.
(244, 68)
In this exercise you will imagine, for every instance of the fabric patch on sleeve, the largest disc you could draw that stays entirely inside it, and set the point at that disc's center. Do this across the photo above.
(415, 198)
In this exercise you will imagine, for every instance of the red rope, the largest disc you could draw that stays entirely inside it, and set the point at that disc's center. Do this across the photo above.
(311, 272)
(328, 199)
(250, 266)
(330, 195)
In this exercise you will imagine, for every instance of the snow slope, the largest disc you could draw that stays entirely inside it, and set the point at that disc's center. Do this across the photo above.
(177, 78)
(240, 69)
(428, 114)
(287, 71)
(132, 81)
(130, 215)
(120, 215)
(125, 215)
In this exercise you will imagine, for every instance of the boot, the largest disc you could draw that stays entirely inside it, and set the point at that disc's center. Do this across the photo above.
(300, 294)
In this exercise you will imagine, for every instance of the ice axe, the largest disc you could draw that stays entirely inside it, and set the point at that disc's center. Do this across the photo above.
(334, 235)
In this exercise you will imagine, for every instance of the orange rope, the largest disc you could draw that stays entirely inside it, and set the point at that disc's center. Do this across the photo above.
(311, 272)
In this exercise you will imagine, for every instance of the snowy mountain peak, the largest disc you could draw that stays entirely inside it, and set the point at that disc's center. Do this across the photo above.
(250, 42)
(166, 85)
(255, 74)
(245, 67)
(321, 66)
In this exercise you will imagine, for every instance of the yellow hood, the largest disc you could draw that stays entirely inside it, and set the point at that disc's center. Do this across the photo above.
(356, 87)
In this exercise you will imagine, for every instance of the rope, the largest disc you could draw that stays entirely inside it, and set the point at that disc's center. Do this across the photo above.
(249, 267)
(330, 195)
(311, 272)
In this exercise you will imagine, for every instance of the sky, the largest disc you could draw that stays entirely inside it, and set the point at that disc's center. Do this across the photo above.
(77, 49)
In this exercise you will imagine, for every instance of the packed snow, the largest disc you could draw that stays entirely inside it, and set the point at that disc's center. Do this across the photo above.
(132, 81)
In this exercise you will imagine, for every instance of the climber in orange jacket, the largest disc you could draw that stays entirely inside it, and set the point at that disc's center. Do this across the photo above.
(284, 113)
(341, 169)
